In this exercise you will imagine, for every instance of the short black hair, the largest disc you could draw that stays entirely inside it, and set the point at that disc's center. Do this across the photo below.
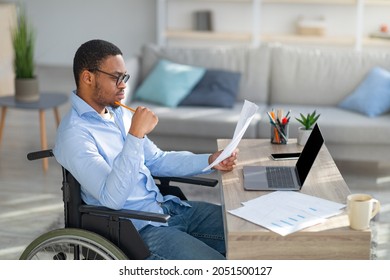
(91, 54)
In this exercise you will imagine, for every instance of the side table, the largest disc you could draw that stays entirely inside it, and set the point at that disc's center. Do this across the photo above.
(46, 101)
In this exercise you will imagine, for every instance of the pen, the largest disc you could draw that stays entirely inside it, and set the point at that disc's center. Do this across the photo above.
(124, 106)
(276, 126)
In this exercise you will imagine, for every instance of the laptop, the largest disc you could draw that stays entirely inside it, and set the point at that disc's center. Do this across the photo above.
(268, 178)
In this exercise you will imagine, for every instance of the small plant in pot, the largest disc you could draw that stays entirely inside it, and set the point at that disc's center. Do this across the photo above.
(23, 40)
(308, 122)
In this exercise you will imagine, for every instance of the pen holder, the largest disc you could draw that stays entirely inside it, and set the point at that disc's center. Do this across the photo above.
(279, 134)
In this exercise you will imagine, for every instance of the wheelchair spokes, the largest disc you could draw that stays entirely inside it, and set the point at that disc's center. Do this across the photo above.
(72, 244)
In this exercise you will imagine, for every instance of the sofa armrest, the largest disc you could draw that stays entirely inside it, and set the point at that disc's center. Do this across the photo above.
(133, 66)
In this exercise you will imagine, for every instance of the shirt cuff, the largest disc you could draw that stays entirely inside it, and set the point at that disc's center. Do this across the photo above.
(205, 158)
(133, 146)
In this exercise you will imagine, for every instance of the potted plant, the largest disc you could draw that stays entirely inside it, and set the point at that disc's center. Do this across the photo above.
(23, 40)
(307, 121)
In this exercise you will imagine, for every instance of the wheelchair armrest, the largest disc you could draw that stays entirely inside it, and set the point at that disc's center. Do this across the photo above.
(124, 213)
(40, 154)
(188, 180)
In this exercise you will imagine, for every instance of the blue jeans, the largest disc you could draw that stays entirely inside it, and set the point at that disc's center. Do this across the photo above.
(192, 233)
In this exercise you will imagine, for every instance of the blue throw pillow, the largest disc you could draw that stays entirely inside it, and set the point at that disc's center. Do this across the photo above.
(169, 83)
(217, 88)
(372, 96)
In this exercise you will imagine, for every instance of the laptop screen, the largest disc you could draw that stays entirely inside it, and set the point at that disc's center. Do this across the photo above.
(309, 153)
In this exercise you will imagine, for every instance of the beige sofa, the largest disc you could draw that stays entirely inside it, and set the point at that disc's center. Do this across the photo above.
(273, 76)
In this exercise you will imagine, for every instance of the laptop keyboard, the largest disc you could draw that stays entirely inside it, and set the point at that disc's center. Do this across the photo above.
(279, 177)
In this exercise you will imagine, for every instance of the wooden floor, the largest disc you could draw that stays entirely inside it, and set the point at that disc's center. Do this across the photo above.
(31, 202)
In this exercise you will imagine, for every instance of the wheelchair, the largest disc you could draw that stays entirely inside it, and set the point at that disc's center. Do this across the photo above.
(96, 232)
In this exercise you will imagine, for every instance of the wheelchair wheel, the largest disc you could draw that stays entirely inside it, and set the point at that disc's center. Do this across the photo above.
(72, 244)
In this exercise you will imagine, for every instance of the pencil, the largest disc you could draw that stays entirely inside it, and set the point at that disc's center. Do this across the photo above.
(124, 106)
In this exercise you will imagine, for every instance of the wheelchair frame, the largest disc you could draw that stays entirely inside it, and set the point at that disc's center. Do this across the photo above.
(96, 232)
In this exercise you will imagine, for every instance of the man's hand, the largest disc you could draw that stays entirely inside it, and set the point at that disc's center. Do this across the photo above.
(143, 122)
(227, 164)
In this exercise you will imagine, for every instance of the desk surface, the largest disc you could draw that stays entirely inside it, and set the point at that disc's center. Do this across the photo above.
(332, 239)
(46, 101)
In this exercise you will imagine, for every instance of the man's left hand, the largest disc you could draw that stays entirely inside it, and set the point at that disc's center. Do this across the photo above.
(227, 164)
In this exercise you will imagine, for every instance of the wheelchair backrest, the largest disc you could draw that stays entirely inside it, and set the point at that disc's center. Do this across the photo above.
(120, 232)
(72, 200)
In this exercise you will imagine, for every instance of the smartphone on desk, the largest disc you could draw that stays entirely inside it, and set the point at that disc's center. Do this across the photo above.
(285, 156)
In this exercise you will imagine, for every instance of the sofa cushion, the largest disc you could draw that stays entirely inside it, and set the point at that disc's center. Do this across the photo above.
(169, 83)
(372, 96)
(217, 88)
(252, 62)
(311, 76)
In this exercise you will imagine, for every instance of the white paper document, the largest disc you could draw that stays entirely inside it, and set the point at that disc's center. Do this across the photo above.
(248, 112)
(285, 212)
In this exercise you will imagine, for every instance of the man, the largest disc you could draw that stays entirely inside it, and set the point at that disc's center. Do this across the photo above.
(107, 150)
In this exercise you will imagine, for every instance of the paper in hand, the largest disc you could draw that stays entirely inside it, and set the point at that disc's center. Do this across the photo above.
(248, 112)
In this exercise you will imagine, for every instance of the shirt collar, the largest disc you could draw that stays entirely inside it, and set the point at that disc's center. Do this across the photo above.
(80, 105)
(83, 107)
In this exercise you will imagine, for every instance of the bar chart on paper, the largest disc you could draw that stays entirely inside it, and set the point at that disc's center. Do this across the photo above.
(285, 212)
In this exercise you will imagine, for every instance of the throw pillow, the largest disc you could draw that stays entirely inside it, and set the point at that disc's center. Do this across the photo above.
(217, 88)
(169, 83)
(372, 96)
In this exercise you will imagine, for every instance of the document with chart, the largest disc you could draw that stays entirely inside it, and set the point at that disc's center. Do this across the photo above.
(285, 212)
(248, 112)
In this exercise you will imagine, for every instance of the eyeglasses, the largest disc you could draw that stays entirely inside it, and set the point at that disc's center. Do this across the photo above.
(119, 79)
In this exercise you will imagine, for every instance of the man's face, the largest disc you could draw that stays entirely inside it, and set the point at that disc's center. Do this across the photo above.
(107, 91)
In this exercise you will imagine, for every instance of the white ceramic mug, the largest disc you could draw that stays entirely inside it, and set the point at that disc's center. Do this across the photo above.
(361, 209)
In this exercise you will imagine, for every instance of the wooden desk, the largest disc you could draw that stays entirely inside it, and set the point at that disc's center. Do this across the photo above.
(46, 101)
(330, 240)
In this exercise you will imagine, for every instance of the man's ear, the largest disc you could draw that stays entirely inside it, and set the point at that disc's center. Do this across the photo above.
(87, 77)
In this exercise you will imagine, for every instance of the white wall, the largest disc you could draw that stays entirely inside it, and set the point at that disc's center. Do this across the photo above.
(62, 26)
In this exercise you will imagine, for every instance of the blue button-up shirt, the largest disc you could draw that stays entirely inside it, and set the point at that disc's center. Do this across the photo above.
(113, 167)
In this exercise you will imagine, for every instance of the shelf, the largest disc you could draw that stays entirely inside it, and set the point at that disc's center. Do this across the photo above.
(377, 2)
(322, 2)
(211, 0)
(328, 2)
(247, 37)
(376, 42)
(314, 2)
(208, 35)
(323, 40)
